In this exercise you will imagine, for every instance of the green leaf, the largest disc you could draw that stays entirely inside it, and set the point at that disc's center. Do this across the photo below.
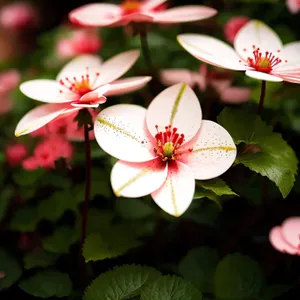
(265, 152)
(170, 288)
(238, 277)
(5, 197)
(121, 283)
(199, 266)
(275, 290)
(133, 208)
(114, 242)
(46, 284)
(10, 270)
(23, 179)
(39, 259)
(100, 184)
(217, 186)
(60, 241)
(25, 219)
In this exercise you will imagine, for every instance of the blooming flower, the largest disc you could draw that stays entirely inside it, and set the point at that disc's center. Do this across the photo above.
(218, 81)
(8, 81)
(152, 11)
(286, 238)
(80, 84)
(18, 15)
(258, 51)
(15, 153)
(293, 6)
(47, 152)
(80, 41)
(232, 27)
(163, 149)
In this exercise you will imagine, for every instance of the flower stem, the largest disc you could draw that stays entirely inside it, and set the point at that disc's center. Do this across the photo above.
(146, 50)
(262, 97)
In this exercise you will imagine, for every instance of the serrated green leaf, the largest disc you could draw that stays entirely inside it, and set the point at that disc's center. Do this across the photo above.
(199, 266)
(10, 270)
(133, 208)
(113, 242)
(5, 197)
(25, 219)
(238, 277)
(217, 186)
(265, 152)
(170, 288)
(60, 241)
(39, 259)
(121, 283)
(47, 284)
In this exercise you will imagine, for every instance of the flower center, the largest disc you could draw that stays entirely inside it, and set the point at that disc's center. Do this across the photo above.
(263, 62)
(79, 85)
(131, 6)
(168, 143)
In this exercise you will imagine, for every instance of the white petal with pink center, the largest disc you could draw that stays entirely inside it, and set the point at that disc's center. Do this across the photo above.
(138, 179)
(291, 231)
(211, 50)
(213, 151)
(40, 116)
(120, 130)
(279, 243)
(46, 90)
(177, 192)
(177, 106)
(263, 76)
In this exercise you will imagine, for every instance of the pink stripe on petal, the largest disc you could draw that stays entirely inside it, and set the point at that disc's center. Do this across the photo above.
(177, 192)
(188, 13)
(134, 180)
(120, 131)
(290, 229)
(177, 106)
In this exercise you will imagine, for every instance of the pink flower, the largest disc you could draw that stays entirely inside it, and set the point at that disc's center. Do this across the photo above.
(163, 150)
(18, 15)
(47, 152)
(286, 238)
(153, 11)
(82, 83)
(258, 51)
(80, 41)
(233, 26)
(293, 6)
(228, 93)
(8, 81)
(15, 154)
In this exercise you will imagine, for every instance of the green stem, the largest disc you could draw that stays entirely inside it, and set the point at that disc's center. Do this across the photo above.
(262, 97)
(146, 50)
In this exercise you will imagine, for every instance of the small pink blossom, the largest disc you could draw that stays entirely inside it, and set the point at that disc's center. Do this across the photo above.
(15, 153)
(149, 11)
(286, 238)
(2, 275)
(82, 83)
(219, 81)
(232, 27)
(258, 51)
(18, 15)
(293, 6)
(30, 163)
(164, 148)
(9, 80)
(80, 41)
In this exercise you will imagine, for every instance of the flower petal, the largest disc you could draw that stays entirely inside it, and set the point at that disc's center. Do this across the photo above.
(211, 50)
(258, 34)
(291, 231)
(290, 58)
(235, 95)
(115, 67)
(176, 194)
(177, 106)
(40, 116)
(138, 179)
(96, 14)
(127, 85)
(81, 65)
(151, 4)
(292, 79)
(213, 151)
(46, 90)
(263, 76)
(134, 17)
(120, 131)
(279, 243)
(187, 13)
(174, 76)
